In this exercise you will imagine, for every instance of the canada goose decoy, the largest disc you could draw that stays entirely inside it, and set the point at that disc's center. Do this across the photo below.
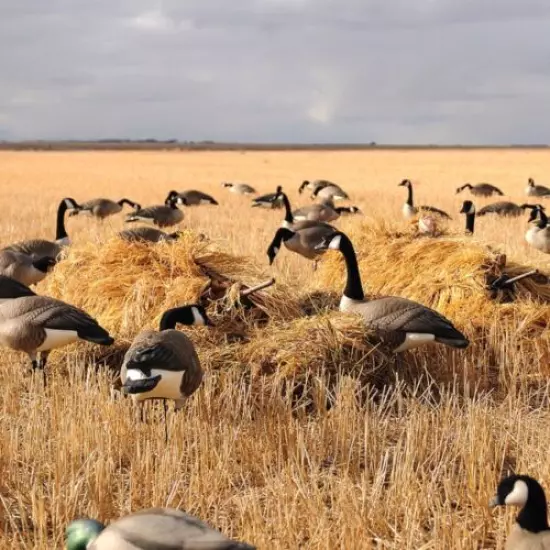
(403, 324)
(103, 208)
(533, 190)
(313, 185)
(538, 236)
(469, 210)
(269, 200)
(530, 530)
(11, 289)
(154, 529)
(192, 197)
(333, 192)
(409, 210)
(502, 208)
(23, 268)
(38, 248)
(480, 189)
(148, 234)
(240, 188)
(37, 324)
(162, 215)
(163, 364)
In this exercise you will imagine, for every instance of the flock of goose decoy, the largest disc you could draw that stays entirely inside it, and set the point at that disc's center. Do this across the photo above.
(163, 364)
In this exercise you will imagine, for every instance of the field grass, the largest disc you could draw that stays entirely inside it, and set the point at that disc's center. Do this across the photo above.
(403, 456)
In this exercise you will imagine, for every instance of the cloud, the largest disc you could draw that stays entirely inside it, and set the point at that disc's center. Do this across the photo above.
(417, 71)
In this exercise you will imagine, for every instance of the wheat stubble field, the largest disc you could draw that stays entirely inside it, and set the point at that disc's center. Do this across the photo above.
(402, 456)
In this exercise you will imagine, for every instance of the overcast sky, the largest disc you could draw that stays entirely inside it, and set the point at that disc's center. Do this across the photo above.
(390, 71)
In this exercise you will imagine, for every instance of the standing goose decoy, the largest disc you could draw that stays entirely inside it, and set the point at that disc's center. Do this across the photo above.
(402, 323)
(538, 236)
(103, 208)
(530, 530)
(240, 188)
(37, 324)
(154, 529)
(409, 210)
(38, 248)
(23, 268)
(148, 234)
(193, 197)
(503, 208)
(469, 209)
(313, 185)
(162, 215)
(163, 364)
(481, 189)
(333, 192)
(533, 190)
(11, 289)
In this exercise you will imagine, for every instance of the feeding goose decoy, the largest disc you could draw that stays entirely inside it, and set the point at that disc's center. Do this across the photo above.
(192, 197)
(313, 185)
(240, 188)
(148, 234)
(39, 248)
(538, 236)
(163, 364)
(530, 530)
(503, 208)
(162, 215)
(11, 289)
(269, 200)
(402, 323)
(37, 324)
(469, 210)
(533, 190)
(333, 192)
(23, 268)
(153, 529)
(480, 189)
(102, 208)
(409, 210)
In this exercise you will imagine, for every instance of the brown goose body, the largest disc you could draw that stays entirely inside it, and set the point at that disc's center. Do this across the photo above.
(481, 189)
(502, 208)
(102, 208)
(333, 192)
(240, 188)
(161, 215)
(533, 190)
(316, 212)
(147, 234)
(195, 198)
(315, 185)
(23, 268)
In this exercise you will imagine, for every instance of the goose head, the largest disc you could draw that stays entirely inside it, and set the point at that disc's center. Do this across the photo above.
(468, 208)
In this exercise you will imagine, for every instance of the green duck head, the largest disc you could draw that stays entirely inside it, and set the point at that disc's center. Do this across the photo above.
(81, 532)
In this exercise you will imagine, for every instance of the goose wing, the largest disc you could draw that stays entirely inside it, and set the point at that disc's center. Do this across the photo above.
(36, 248)
(163, 529)
(434, 210)
(489, 187)
(501, 207)
(150, 213)
(152, 349)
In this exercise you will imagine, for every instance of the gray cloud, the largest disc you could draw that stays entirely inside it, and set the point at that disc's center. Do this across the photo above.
(393, 71)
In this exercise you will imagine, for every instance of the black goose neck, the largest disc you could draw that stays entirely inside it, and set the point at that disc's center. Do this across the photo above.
(410, 195)
(470, 222)
(289, 218)
(282, 235)
(543, 222)
(171, 317)
(534, 515)
(60, 231)
(354, 287)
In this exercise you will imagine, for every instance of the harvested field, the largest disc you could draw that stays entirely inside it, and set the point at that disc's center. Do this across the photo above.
(306, 433)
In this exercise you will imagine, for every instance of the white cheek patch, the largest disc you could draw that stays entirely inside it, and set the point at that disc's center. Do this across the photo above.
(335, 243)
(519, 494)
(198, 317)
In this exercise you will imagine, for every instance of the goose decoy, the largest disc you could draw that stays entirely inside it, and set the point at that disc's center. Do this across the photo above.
(409, 210)
(37, 324)
(103, 208)
(148, 234)
(163, 364)
(240, 188)
(313, 185)
(162, 215)
(154, 529)
(333, 192)
(538, 236)
(533, 190)
(402, 323)
(269, 200)
(469, 210)
(38, 248)
(23, 268)
(192, 197)
(480, 189)
(503, 208)
(530, 530)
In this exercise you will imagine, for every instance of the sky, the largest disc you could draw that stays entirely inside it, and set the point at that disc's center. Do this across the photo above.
(323, 71)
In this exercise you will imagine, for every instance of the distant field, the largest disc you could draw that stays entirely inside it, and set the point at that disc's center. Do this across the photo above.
(412, 468)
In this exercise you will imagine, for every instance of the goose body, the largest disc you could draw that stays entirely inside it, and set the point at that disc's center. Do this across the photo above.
(533, 190)
(332, 192)
(410, 211)
(147, 234)
(469, 210)
(530, 530)
(153, 529)
(38, 248)
(402, 323)
(192, 197)
(314, 185)
(502, 208)
(538, 236)
(23, 268)
(269, 200)
(163, 364)
(162, 215)
(240, 188)
(102, 208)
(33, 324)
(481, 189)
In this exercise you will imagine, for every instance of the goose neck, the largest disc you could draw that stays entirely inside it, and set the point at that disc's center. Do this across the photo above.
(60, 231)
(470, 222)
(354, 288)
(289, 218)
(410, 195)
